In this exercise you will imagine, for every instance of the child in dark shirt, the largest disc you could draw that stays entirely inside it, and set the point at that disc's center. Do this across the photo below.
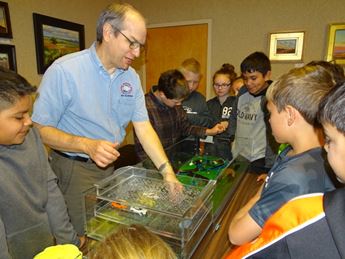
(300, 167)
(166, 114)
(220, 108)
(195, 103)
(310, 226)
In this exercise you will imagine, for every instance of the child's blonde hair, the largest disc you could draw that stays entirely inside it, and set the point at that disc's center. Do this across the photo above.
(302, 88)
(132, 242)
(191, 65)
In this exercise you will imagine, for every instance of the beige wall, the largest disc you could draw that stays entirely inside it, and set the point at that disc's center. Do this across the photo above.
(238, 27)
(79, 11)
(241, 27)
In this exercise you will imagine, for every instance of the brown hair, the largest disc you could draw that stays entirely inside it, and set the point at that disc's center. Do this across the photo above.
(13, 87)
(132, 242)
(332, 108)
(226, 69)
(302, 88)
(335, 70)
(173, 84)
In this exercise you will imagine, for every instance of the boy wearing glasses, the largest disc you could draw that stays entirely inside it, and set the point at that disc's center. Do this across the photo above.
(253, 138)
(220, 108)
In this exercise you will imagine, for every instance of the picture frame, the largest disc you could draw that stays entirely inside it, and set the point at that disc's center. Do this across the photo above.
(336, 43)
(5, 21)
(286, 46)
(8, 57)
(55, 38)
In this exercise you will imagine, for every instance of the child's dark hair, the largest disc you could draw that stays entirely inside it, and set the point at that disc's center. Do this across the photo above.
(173, 84)
(331, 108)
(256, 61)
(226, 69)
(12, 87)
(335, 70)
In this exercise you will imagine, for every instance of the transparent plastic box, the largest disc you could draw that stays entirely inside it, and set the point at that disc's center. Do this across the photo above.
(140, 196)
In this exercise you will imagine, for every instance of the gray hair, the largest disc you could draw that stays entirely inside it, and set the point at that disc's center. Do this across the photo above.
(115, 15)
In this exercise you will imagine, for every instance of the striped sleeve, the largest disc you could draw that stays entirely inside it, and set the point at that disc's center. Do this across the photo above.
(295, 215)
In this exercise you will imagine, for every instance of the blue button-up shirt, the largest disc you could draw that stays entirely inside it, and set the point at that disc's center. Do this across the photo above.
(78, 96)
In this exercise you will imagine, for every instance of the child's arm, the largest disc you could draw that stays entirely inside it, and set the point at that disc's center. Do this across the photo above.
(59, 220)
(3, 242)
(243, 228)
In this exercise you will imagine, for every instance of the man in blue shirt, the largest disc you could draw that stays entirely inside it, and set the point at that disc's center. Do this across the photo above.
(86, 100)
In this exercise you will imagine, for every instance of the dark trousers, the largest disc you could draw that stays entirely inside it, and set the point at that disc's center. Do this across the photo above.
(74, 178)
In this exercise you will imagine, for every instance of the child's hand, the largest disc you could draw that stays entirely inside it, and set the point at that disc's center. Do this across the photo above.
(225, 124)
(261, 178)
(217, 129)
(82, 241)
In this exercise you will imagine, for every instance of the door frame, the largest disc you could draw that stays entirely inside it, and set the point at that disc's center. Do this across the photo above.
(209, 33)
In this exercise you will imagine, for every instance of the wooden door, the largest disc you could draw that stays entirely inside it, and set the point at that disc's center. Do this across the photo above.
(168, 46)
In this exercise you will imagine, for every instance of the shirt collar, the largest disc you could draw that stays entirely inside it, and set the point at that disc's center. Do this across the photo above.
(98, 62)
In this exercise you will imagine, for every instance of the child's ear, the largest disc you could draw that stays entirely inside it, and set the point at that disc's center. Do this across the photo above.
(161, 94)
(291, 113)
(268, 75)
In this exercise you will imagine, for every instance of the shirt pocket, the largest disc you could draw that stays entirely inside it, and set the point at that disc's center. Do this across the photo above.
(124, 109)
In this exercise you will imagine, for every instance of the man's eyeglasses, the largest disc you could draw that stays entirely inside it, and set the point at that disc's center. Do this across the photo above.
(132, 44)
(221, 85)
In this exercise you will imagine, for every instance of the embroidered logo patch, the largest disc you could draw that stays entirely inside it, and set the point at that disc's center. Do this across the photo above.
(126, 89)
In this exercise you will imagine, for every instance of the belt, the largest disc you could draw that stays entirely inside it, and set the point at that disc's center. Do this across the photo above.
(76, 158)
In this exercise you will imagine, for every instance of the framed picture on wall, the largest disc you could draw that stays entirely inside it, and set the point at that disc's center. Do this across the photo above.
(336, 43)
(8, 57)
(286, 46)
(5, 22)
(55, 38)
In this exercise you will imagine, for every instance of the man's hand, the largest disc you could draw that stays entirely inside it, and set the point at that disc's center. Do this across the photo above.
(102, 152)
(169, 176)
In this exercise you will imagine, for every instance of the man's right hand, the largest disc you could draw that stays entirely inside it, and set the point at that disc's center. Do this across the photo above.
(102, 152)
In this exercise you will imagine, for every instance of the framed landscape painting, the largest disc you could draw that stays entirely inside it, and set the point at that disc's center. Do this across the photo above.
(8, 57)
(5, 21)
(55, 38)
(286, 46)
(336, 43)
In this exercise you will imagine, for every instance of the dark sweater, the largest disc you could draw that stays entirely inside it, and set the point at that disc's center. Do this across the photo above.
(196, 109)
(222, 112)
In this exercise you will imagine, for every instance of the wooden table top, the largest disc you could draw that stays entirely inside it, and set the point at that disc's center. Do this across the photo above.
(216, 244)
